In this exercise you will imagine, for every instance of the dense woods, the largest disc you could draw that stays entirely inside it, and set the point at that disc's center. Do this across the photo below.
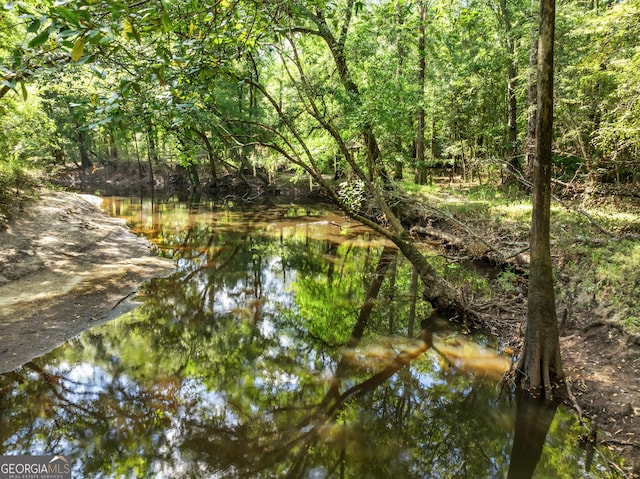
(360, 99)
(385, 89)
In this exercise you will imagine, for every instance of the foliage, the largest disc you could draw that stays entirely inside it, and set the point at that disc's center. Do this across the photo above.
(353, 194)
(205, 79)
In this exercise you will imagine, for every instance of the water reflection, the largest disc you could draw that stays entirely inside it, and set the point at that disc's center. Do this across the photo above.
(282, 347)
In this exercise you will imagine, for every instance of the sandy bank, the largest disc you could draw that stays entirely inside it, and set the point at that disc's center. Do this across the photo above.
(65, 266)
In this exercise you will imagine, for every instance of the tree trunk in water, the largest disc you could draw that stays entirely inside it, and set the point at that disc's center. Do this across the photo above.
(437, 291)
(413, 295)
(540, 366)
(387, 258)
(443, 298)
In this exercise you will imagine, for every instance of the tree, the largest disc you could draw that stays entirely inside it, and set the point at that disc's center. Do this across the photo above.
(307, 44)
(532, 100)
(540, 366)
(421, 175)
(512, 101)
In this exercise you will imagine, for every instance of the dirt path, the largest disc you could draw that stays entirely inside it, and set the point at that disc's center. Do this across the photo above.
(603, 367)
(65, 266)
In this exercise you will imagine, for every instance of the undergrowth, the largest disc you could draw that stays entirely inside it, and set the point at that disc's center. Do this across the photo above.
(17, 185)
(595, 248)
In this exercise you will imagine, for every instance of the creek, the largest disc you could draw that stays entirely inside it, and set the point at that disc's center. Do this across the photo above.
(290, 342)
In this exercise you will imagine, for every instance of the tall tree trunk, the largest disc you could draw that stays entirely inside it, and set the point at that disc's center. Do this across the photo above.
(135, 142)
(113, 147)
(83, 149)
(512, 137)
(152, 152)
(532, 106)
(540, 365)
(398, 163)
(512, 100)
(421, 175)
(210, 153)
(83, 142)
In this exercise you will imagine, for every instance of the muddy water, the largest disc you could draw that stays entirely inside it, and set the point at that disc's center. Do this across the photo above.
(269, 353)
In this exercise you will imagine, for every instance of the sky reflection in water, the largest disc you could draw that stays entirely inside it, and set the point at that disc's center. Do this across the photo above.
(238, 366)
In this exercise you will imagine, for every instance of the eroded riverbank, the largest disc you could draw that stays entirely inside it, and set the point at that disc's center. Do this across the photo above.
(64, 266)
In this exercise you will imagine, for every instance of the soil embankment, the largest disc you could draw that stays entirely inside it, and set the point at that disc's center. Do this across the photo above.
(65, 266)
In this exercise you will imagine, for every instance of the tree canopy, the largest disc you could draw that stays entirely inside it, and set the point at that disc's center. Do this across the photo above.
(318, 85)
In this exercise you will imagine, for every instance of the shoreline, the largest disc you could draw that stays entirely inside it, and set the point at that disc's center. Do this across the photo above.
(66, 266)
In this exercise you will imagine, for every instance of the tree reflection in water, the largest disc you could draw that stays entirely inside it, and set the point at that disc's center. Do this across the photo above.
(274, 351)
(533, 420)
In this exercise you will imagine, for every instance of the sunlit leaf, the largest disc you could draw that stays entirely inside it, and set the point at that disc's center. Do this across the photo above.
(78, 48)
(130, 31)
(166, 22)
(127, 28)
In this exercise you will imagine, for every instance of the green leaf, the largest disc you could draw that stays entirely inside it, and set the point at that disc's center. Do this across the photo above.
(35, 26)
(23, 88)
(39, 39)
(130, 31)
(78, 48)
(68, 15)
(166, 22)
(86, 59)
(11, 84)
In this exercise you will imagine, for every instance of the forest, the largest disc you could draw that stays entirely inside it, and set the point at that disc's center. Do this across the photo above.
(525, 114)
(298, 86)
